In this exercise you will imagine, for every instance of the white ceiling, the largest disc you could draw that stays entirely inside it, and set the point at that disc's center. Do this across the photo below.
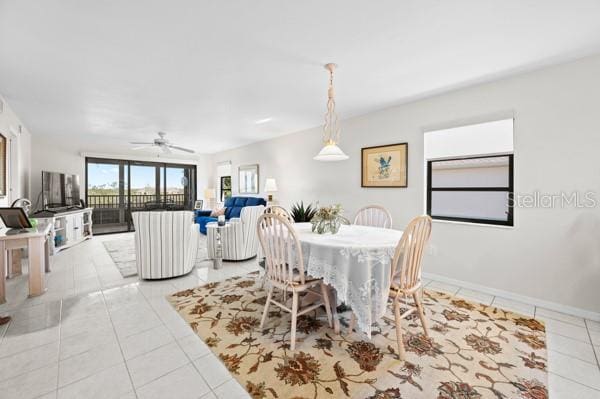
(206, 71)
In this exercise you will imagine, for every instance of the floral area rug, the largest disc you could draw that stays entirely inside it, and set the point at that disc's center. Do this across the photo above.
(474, 351)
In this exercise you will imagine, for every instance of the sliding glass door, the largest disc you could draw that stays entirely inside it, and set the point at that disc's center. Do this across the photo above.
(115, 188)
(144, 186)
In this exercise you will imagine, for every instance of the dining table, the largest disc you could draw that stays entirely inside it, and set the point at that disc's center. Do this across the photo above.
(356, 263)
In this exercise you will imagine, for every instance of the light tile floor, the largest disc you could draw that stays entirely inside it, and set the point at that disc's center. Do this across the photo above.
(94, 334)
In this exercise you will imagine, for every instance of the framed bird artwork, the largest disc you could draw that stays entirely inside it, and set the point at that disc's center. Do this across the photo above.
(385, 166)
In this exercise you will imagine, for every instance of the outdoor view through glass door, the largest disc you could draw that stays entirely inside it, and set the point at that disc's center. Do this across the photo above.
(115, 188)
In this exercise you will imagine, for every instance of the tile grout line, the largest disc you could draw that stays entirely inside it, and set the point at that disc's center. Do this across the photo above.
(179, 345)
(566, 336)
(573, 381)
(212, 390)
(592, 343)
(572, 357)
(566, 322)
(32, 370)
(119, 343)
(83, 378)
(59, 345)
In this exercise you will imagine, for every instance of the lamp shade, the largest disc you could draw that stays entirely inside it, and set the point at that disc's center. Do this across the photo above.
(330, 153)
(270, 185)
(210, 193)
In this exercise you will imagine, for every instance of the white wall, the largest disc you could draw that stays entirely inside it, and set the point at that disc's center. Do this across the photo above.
(18, 155)
(551, 254)
(59, 154)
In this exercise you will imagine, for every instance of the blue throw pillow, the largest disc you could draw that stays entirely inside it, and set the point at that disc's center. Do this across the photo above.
(255, 201)
(240, 201)
(235, 212)
(229, 202)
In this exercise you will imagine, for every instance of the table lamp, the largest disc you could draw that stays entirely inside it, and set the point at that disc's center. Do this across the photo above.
(210, 194)
(270, 187)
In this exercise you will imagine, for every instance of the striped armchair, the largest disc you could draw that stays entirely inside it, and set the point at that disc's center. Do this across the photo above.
(239, 238)
(166, 243)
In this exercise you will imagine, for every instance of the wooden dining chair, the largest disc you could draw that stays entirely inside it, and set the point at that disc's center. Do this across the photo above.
(374, 216)
(279, 210)
(406, 275)
(285, 271)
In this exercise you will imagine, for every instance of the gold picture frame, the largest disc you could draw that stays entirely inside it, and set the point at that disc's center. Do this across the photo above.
(385, 166)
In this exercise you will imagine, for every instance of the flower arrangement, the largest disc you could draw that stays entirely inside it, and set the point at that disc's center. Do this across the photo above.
(328, 219)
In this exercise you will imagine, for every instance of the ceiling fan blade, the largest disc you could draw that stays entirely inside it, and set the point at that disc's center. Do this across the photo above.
(141, 147)
(141, 143)
(175, 147)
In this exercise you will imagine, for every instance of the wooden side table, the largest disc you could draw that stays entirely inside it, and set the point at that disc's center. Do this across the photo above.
(36, 240)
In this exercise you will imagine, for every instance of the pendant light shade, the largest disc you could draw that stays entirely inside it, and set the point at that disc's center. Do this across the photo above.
(331, 152)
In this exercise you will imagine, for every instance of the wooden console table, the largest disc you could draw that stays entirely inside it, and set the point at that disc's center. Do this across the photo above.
(36, 240)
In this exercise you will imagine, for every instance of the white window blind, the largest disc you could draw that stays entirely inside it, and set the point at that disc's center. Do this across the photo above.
(470, 173)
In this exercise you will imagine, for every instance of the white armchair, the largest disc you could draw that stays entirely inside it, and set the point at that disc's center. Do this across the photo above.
(166, 243)
(239, 239)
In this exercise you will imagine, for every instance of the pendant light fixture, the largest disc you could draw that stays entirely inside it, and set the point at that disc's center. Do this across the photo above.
(331, 130)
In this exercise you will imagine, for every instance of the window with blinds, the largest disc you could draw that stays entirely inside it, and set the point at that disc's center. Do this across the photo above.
(470, 173)
(474, 190)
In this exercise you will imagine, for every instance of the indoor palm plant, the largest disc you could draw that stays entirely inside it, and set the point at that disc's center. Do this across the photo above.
(302, 214)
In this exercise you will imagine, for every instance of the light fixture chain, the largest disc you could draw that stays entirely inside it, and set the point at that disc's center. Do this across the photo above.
(331, 129)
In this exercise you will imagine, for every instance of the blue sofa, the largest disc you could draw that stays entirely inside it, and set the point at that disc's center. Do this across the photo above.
(233, 208)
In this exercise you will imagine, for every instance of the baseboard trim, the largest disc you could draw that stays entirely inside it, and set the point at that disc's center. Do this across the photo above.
(586, 314)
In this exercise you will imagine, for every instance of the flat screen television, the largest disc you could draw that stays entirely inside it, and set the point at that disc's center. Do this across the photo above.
(60, 190)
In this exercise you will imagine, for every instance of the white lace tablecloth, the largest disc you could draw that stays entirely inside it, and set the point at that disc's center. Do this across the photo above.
(356, 263)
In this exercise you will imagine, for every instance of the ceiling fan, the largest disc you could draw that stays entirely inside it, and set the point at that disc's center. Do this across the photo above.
(162, 143)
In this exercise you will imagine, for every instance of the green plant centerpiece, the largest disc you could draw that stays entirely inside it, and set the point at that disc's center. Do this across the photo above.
(302, 214)
(328, 219)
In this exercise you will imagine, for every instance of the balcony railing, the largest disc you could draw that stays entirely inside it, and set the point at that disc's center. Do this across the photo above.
(135, 202)
(116, 210)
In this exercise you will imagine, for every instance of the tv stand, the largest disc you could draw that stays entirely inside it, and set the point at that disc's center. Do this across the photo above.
(69, 227)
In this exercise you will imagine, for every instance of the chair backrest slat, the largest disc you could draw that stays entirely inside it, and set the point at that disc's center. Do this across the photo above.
(374, 216)
(279, 210)
(282, 250)
(406, 265)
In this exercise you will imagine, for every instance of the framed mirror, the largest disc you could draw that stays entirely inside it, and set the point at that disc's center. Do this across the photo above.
(248, 179)
(3, 167)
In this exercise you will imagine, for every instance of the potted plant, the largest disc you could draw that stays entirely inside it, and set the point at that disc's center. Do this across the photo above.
(302, 214)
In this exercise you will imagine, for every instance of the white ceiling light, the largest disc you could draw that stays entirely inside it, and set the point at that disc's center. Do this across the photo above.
(331, 130)
(261, 121)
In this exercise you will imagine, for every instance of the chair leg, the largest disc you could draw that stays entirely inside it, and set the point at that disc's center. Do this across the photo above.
(352, 323)
(336, 319)
(266, 311)
(263, 280)
(419, 305)
(401, 352)
(327, 304)
(294, 320)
